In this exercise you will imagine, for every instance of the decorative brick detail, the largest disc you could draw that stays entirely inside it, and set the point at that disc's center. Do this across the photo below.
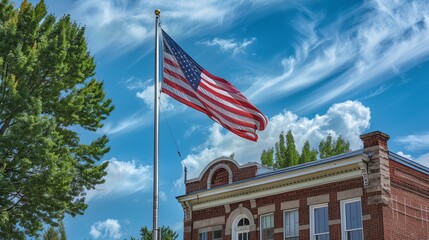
(318, 199)
(220, 177)
(352, 193)
(289, 205)
(375, 146)
(266, 209)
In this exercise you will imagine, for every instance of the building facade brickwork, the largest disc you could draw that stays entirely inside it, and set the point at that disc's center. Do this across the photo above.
(366, 194)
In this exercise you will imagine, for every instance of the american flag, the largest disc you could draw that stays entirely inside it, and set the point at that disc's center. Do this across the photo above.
(186, 81)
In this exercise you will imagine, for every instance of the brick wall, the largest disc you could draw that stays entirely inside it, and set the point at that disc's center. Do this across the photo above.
(237, 173)
(407, 217)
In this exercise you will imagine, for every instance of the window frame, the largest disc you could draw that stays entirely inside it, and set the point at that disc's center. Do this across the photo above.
(312, 226)
(217, 228)
(343, 216)
(203, 231)
(284, 222)
(260, 223)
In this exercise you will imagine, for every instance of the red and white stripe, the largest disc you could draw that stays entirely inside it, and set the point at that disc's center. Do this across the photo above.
(215, 97)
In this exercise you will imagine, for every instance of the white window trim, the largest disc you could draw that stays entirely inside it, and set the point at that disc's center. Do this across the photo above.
(284, 221)
(236, 230)
(217, 228)
(203, 230)
(312, 228)
(260, 223)
(343, 215)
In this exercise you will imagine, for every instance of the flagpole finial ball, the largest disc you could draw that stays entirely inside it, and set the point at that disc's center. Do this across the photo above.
(157, 12)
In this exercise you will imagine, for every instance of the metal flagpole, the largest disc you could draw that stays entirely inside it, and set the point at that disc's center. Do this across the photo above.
(155, 229)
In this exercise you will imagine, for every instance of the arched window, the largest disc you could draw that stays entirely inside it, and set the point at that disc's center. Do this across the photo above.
(241, 227)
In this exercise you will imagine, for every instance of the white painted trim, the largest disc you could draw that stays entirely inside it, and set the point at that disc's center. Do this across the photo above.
(245, 229)
(284, 221)
(219, 159)
(260, 223)
(312, 208)
(217, 167)
(343, 215)
(273, 191)
(274, 178)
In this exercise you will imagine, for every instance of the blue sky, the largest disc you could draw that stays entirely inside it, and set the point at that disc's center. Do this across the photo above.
(314, 67)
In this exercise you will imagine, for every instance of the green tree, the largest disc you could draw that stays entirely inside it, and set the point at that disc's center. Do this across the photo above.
(46, 95)
(307, 155)
(54, 234)
(280, 160)
(291, 154)
(267, 157)
(329, 147)
(166, 233)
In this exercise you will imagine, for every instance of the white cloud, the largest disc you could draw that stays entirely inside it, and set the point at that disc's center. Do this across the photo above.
(415, 142)
(118, 26)
(166, 103)
(423, 159)
(136, 120)
(162, 196)
(108, 229)
(230, 44)
(349, 119)
(123, 178)
(134, 83)
(400, 153)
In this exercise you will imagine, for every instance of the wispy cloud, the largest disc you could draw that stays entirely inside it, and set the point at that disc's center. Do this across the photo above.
(232, 45)
(134, 83)
(353, 53)
(123, 178)
(134, 121)
(108, 229)
(415, 142)
(349, 119)
(117, 26)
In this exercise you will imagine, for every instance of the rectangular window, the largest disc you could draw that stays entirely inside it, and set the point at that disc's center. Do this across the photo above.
(202, 234)
(217, 233)
(291, 224)
(319, 222)
(351, 219)
(267, 227)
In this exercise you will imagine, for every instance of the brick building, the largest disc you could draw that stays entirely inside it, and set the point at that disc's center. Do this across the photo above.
(365, 194)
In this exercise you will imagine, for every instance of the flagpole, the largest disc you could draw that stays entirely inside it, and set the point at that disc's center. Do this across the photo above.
(155, 229)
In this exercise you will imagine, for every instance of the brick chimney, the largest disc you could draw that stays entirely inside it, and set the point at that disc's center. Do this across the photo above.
(377, 166)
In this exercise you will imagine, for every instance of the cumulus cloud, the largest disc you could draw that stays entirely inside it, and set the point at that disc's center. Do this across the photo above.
(166, 103)
(108, 229)
(230, 44)
(415, 141)
(349, 119)
(400, 153)
(123, 178)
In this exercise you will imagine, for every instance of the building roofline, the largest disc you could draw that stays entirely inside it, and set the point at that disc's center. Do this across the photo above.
(283, 170)
(219, 159)
(409, 163)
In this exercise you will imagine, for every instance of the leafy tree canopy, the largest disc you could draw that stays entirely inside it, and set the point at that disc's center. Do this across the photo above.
(46, 93)
(330, 147)
(165, 233)
(284, 153)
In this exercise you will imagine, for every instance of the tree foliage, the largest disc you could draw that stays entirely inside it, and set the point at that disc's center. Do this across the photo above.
(55, 234)
(307, 154)
(46, 94)
(284, 153)
(329, 147)
(165, 233)
(267, 157)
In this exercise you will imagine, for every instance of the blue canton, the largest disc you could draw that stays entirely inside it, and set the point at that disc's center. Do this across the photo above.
(189, 67)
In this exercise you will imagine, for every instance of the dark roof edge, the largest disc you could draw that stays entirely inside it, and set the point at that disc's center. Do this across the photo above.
(313, 163)
(409, 163)
(293, 168)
